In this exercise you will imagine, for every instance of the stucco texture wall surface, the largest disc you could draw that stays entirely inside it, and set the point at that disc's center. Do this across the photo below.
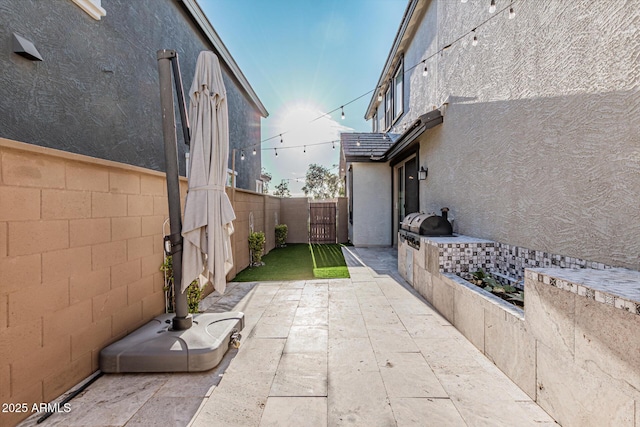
(97, 92)
(540, 145)
(371, 204)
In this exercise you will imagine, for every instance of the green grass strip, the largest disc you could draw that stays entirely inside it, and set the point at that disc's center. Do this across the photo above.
(328, 262)
(298, 262)
(293, 262)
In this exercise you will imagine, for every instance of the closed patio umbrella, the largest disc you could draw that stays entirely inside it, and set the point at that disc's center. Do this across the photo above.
(208, 214)
(198, 342)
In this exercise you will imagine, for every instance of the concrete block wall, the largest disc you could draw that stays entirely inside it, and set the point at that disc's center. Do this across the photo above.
(81, 245)
(272, 218)
(263, 209)
(295, 213)
(80, 255)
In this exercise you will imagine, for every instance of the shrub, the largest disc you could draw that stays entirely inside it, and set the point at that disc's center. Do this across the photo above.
(256, 247)
(281, 235)
(194, 293)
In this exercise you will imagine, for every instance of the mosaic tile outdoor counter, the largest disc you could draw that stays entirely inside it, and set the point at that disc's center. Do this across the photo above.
(461, 254)
(618, 287)
(458, 253)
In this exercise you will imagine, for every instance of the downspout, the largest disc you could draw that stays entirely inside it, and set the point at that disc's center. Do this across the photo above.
(392, 208)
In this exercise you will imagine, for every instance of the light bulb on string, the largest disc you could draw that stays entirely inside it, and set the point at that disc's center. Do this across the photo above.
(304, 150)
(342, 108)
(254, 152)
(424, 71)
(492, 7)
(380, 96)
(280, 138)
(333, 145)
(242, 155)
(474, 42)
(276, 151)
(512, 13)
(358, 142)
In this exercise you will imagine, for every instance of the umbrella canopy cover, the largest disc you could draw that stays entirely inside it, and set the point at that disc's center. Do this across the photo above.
(208, 214)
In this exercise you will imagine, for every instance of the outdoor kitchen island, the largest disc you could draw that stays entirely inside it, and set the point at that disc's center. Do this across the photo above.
(573, 347)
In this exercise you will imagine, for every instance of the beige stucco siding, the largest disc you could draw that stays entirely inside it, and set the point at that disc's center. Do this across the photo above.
(371, 204)
(540, 143)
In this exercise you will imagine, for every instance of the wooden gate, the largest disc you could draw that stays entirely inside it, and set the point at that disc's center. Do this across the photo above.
(322, 223)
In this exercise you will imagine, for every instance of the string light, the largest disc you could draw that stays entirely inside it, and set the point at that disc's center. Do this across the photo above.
(380, 94)
(424, 72)
(333, 145)
(241, 154)
(254, 151)
(358, 142)
(276, 151)
(305, 149)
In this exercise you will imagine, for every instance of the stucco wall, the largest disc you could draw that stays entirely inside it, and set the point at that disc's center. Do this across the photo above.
(371, 204)
(96, 92)
(343, 219)
(539, 145)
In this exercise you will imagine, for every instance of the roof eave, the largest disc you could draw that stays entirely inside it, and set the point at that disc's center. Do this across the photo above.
(360, 159)
(426, 121)
(201, 19)
(408, 13)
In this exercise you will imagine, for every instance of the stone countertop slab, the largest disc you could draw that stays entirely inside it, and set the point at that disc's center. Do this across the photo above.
(619, 287)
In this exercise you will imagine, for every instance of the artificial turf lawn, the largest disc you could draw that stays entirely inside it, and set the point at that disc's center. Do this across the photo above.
(329, 262)
(298, 262)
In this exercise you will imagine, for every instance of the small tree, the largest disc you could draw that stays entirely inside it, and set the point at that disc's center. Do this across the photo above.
(281, 235)
(282, 189)
(256, 247)
(321, 183)
(194, 293)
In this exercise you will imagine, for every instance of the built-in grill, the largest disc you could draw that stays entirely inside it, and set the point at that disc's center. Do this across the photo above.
(418, 224)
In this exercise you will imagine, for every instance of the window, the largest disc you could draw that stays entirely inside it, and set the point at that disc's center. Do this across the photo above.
(230, 181)
(406, 190)
(388, 104)
(398, 91)
(350, 193)
(259, 186)
(92, 7)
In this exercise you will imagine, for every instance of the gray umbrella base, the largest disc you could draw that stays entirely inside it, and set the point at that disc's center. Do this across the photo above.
(156, 348)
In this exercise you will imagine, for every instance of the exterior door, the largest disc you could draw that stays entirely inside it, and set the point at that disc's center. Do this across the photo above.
(322, 223)
(411, 186)
(406, 191)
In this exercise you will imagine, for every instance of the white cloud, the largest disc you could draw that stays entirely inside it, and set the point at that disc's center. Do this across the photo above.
(303, 128)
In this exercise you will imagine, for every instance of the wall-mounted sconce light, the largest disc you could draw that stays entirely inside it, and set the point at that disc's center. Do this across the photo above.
(422, 173)
(25, 48)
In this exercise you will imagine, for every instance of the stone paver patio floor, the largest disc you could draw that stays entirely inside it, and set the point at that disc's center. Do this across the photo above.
(365, 351)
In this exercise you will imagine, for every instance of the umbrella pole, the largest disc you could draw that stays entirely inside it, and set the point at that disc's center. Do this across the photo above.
(182, 319)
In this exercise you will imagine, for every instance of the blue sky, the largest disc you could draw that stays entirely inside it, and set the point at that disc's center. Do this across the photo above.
(304, 58)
